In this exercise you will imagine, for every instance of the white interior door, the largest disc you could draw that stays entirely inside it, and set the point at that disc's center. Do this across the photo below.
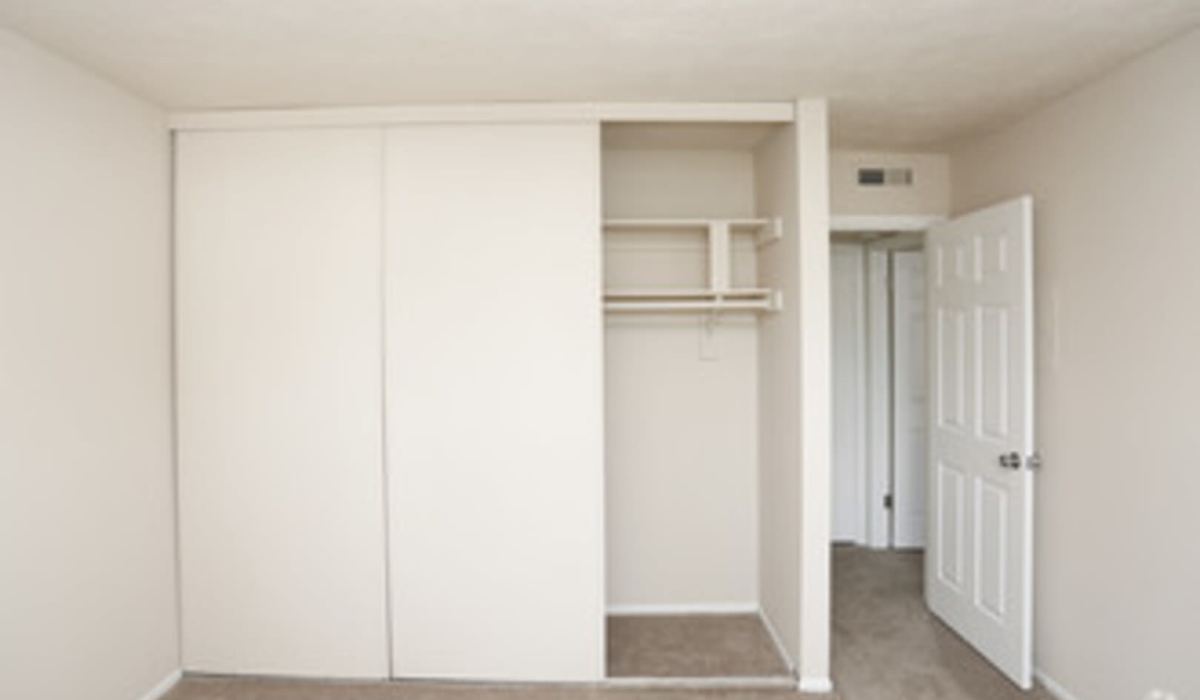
(909, 392)
(494, 401)
(847, 265)
(979, 569)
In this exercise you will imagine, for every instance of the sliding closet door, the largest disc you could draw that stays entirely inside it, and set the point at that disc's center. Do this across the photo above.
(494, 404)
(280, 403)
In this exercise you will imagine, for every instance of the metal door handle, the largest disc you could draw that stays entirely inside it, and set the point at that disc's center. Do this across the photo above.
(1010, 460)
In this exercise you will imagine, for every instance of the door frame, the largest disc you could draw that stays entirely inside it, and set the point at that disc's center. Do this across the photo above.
(902, 413)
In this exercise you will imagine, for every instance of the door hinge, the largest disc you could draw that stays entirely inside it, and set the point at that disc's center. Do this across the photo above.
(888, 501)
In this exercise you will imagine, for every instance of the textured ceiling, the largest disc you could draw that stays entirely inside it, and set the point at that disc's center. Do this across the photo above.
(900, 73)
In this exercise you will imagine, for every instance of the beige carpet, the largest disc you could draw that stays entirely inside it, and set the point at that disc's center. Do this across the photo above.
(888, 646)
(222, 689)
(697, 646)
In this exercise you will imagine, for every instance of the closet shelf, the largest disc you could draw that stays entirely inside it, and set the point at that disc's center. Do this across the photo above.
(651, 300)
(765, 230)
(720, 295)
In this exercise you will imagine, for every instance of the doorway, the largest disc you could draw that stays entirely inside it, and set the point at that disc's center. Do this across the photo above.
(970, 454)
(879, 388)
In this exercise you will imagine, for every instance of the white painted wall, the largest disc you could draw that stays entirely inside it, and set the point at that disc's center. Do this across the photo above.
(775, 173)
(816, 430)
(278, 239)
(1113, 169)
(494, 401)
(929, 194)
(681, 431)
(848, 320)
(86, 516)
(680, 181)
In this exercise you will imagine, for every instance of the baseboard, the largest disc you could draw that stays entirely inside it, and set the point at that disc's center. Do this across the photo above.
(777, 641)
(815, 685)
(1052, 686)
(685, 609)
(164, 686)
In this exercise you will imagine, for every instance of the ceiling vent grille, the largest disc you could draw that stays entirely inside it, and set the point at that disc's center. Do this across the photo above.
(885, 177)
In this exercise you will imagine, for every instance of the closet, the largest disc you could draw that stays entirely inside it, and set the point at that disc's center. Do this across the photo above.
(484, 399)
(683, 235)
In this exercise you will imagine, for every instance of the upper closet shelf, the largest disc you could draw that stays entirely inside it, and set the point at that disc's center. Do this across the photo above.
(720, 294)
(765, 230)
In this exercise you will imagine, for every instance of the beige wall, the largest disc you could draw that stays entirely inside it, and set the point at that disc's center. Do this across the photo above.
(1115, 173)
(779, 401)
(929, 194)
(792, 179)
(681, 431)
(86, 523)
(816, 395)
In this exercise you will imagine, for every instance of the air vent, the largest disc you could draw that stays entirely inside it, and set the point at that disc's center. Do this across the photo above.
(885, 177)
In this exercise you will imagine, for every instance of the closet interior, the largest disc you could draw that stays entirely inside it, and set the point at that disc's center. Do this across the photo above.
(685, 238)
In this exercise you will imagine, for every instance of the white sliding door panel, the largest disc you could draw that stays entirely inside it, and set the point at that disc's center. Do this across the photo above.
(494, 404)
(979, 566)
(908, 399)
(279, 379)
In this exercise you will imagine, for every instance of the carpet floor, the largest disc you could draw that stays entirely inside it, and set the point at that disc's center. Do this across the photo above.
(886, 646)
(229, 689)
(695, 646)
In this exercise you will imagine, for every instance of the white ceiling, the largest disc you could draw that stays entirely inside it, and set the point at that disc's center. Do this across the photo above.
(900, 73)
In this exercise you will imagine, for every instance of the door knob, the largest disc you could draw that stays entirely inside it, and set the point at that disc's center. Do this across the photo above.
(1010, 460)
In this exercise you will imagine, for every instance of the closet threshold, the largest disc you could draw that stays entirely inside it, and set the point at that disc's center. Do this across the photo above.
(702, 682)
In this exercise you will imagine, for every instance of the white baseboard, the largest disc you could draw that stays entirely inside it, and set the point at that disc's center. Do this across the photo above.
(684, 609)
(1052, 686)
(777, 641)
(164, 686)
(815, 685)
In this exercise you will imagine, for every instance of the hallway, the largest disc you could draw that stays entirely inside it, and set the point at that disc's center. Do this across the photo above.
(888, 646)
